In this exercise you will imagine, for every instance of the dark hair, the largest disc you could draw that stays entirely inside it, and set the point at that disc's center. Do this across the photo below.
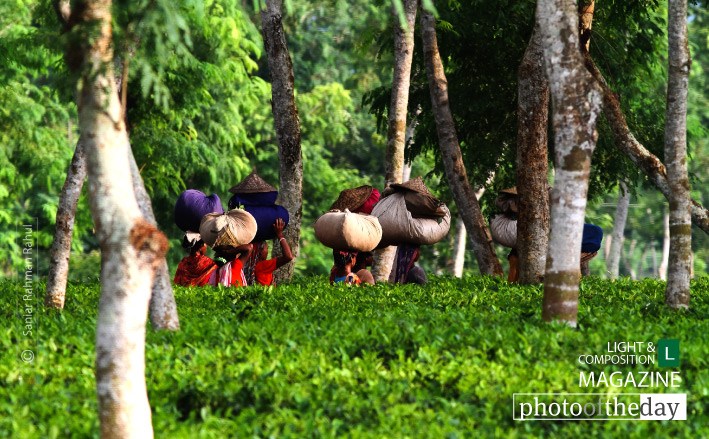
(343, 257)
(191, 246)
(362, 258)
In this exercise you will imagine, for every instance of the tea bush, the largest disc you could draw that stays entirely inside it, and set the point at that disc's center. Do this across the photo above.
(307, 360)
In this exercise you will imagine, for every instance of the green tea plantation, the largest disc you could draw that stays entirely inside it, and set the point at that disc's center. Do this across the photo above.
(308, 360)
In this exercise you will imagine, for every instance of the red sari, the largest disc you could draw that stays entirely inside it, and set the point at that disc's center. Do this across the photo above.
(194, 271)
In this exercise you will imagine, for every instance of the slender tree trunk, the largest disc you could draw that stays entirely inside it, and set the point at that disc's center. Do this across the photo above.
(621, 215)
(61, 245)
(459, 248)
(131, 248)
(654, 260)
(532, 183)
(450, 152)
(629, 259)
(679, 266)
(641, 263)
(396, 131)
(163, 309)
(644, 159)
(607, 248)
(662, 271)
(287, 123)
(576, 104)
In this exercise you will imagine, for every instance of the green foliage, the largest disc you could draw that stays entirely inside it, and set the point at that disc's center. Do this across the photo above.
(310, 360)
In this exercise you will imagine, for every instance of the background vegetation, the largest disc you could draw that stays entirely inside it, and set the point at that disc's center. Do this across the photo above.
(199, 110)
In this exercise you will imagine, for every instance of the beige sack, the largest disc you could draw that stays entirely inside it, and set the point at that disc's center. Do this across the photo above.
(399, 227)
(348, 231)
(240, 224)
(504, 230)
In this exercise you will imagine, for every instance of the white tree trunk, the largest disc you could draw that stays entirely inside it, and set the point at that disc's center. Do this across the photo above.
(628, 262)
(459, 248)
(576, 106)
(287, 124)
(662, 271)
(621, 215)
(61, 244)
(680, 261)
(396, 132)
(131, 248)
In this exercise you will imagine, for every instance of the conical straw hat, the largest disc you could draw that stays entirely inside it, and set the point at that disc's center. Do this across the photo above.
(416, 185)
(511, 191)
(251, 185)
(351, 199)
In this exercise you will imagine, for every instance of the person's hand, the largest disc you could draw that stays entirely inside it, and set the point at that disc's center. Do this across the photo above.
(278, 226)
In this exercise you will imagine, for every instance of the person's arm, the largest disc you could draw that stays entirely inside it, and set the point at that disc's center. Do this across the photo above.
(287, 255)
(244, 251)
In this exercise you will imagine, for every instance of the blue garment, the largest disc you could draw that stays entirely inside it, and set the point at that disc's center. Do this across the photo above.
(592, 237)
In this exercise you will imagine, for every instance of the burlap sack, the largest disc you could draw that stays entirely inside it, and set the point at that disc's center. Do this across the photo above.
(240, 224)
(504, 230)
(348, 231)
(399, 226)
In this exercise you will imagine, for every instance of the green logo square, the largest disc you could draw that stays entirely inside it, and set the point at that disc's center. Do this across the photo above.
(668, 352)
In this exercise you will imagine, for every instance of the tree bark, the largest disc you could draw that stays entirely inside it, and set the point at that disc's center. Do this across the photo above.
(532, 180)
(679, 265)
(576, 102)
(287, 124)
(398, 108)
(621, 215)
(456, 175)
(163, 309)
(644, 159)
(662, 271)
(131, 248)
(61, 245)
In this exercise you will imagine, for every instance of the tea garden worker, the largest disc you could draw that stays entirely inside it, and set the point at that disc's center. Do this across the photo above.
(364, 260)
(503, 228)
(230, 258)
(197, 269)
(342, 270)
(407, 272)
(263, 270)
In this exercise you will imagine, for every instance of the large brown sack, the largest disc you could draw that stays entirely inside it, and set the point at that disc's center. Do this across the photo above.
(348, 231)
(400, 227)
(240, 224)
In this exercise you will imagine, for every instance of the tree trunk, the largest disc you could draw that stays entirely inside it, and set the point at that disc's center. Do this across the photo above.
(628, 261)
(532, 180)
(396, 131)
(662, 271)
(131, 248)
(576, 103)
(643, 256)
(287, 124)
(621, 215)
(679, 266)
(456, 175)
(61, 245)
(644, 159)
(459, 248)
(163, 309)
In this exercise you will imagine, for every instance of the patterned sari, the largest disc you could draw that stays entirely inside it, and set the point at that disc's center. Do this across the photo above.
(194, 271)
